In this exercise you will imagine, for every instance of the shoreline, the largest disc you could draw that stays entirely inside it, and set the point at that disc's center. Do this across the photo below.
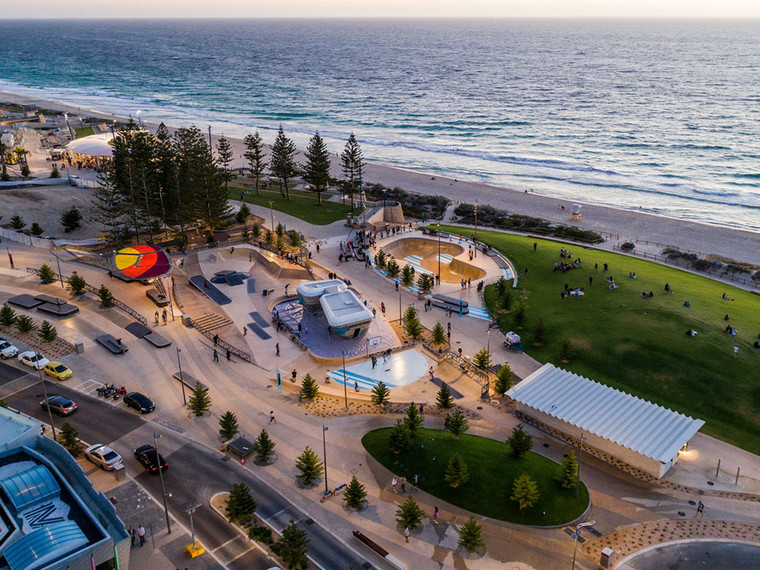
(622, 225)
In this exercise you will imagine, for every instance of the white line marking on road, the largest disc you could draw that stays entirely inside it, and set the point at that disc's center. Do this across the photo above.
(226, 543)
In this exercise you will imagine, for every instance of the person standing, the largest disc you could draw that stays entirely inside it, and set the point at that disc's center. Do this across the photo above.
(415, 480)
(216, 356)
(406, 534)
(535, 246)
(245, 331)
(432, 373)
(141, 534)
(156, 318)
(216, 339)
(394, 482)
(229, 354)
(293, 376)
(132, 535)
(403, 484)
(736, 351)
(435, 516)
(277, 349)
(164, 315)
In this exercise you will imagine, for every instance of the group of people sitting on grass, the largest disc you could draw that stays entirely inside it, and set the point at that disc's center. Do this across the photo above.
(562, 266)
(611, 282)
(646, 295)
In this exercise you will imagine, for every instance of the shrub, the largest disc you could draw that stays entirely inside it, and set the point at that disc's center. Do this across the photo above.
(76, 283)
(525, 491)
(444, 399)
(457, 423)
(263, 447)
(7, 315)
(293, 548)
(355, 494)
(36, 230)
(25, 324)
(18, 223)
(309, 388)
(279, 230)
(470, 535)
(55, 173)
(392, 268)
(309, 466)
(519, 442)
(439, 334)
(295, 238)
(228, 426)
(567, 474)
(504, 379)
(261, 534)
(407, 275)
(256, 230)
(243, 214)
(380, 394)
(69, 438)
(519, 316)
(240, 505)
(413, 419)
(482, 359)
(506, 300)
(380, 259)
(539, 334)
(199, 401)
(628, 246)
(456, 472)
(105, 295)
(566, 350)
(409, 514)
(47, 332)
(46, 274)
(399, 440)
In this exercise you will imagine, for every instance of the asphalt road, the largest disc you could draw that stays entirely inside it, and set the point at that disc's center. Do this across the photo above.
(713, 555)
(194, 472)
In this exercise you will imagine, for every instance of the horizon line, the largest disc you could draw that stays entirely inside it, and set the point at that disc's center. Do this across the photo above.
(431, 17)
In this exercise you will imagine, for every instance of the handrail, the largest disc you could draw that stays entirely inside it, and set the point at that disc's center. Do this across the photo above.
(242, 354)
(482, 376)
(90, 289)
(293, 334)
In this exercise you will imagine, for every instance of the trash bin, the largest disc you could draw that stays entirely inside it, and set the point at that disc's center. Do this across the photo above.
(186, 320)
(119, 471)
(79, 347)
(264, 293)
(606, 560)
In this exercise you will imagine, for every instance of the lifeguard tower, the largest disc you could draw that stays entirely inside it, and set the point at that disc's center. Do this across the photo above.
(575, 213)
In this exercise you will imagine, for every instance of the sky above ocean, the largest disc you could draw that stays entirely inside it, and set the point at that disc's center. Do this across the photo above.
(660, 116)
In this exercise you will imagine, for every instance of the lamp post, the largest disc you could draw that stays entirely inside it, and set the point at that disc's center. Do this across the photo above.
(271, 212)
(324, 452)
(189, 508)
(476, 228)
(439, 252)
(156, 437)
(577, 532)
(47, 405)
(578, 474)
(60, 275)
(345, 389)
(384, 191)
(181, 378)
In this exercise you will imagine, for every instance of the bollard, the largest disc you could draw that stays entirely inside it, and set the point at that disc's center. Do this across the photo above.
(737, 474)
(717, 471)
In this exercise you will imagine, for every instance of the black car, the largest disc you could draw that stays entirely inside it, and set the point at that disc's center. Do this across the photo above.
(60, 405)
(139, 402)
(150, 459)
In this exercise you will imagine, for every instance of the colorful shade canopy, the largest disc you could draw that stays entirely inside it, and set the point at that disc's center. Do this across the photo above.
(142, 262)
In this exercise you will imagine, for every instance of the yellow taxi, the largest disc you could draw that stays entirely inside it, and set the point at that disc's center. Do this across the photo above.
(58, 370)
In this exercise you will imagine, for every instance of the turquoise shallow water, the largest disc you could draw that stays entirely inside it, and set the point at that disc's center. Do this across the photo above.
(658, 115)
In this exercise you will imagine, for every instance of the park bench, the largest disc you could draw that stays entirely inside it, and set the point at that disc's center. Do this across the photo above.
(188, 380)
(112, 344)
(379, 550)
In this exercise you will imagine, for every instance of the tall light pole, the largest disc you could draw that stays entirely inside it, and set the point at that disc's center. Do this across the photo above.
(271, 212)
(439, 252)
(60, 274)
(47, 404)
(181, 378)
(345, 390)
(577, 532)
(324, 452)
(578, 474)
(476, 228)
(156, 437)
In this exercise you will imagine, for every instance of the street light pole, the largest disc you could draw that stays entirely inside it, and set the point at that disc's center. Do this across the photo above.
(47, 404)
(345, 390)
(181, 378)
(577, 532)
(324, 452)
(439, 253)
(271, 212)
(578, 473)
(156, 437)
(476, 228)
(60, 275)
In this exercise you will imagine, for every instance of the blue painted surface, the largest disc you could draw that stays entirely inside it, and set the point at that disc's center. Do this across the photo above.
(478, 313)
(400, 369)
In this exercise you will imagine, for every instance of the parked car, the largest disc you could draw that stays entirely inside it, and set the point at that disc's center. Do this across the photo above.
(58, 370)
(103, 456)
(7, 350)
(139, 402)
(60, 405)
(150, 459)
(33, 359)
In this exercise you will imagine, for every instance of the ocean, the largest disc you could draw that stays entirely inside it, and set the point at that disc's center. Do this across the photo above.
(660, 116)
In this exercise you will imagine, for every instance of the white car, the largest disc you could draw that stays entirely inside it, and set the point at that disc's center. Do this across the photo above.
(33, 359)
(7, 350)
(103, 456)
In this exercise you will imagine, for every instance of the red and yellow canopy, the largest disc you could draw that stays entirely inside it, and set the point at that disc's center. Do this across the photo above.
(142, 262)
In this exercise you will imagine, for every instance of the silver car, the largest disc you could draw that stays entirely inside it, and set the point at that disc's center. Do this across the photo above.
(7, 350)
(103, 456)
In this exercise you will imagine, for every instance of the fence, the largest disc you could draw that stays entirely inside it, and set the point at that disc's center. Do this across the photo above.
(18, 237)
(747, 281)
(481, 376)
(212, 336)
(90, 289)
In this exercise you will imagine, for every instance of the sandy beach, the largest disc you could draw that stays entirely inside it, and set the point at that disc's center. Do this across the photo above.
(618, 225)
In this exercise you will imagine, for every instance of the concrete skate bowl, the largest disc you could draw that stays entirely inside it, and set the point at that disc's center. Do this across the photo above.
(422, 254)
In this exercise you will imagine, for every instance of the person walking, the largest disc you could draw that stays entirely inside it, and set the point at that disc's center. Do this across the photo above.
(229, 355)
(141, 534)
(535, 246)
(272, 419)
(245, 331)
(216, 339)
(736, 351)
(382, 308)
(700, 510)
(216, 356)
(156, 318)
(435, 516)
(403, 484)
(394, 482)
(164, 315)
(406, 534)
(132, 535)
(293, 376)
(277, 349)
(415, 481)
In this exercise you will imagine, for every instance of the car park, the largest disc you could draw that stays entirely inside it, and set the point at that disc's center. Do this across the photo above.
(33, 359)
(7, 350)
(58, 370)
(139, 402)
(103, 456)
(60, 405)
(150, 458)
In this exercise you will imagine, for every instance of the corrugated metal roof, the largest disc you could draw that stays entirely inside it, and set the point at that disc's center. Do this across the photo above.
(38, 548)
(646, 428)
(30, 487)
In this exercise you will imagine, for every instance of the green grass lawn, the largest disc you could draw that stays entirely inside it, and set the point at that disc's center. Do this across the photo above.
(640, 345)
(84, 132)
(492, 472)
(302, 205)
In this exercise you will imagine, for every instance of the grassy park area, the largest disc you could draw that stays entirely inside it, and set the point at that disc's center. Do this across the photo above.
(302, 205)
(640, 344)
(492, 473)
